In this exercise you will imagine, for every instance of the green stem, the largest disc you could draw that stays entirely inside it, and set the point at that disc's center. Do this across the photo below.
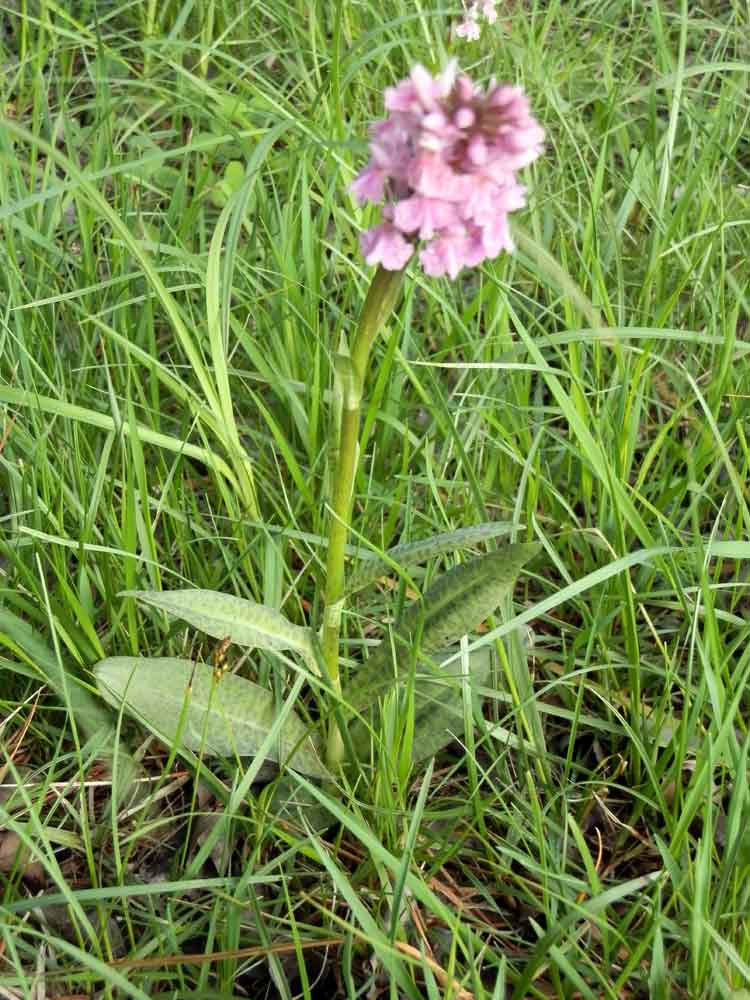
(381, 298)
(149, 34)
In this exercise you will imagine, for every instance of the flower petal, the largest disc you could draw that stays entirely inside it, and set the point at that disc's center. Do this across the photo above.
(385, 245)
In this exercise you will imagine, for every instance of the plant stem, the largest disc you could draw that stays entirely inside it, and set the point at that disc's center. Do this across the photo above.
(381, 298)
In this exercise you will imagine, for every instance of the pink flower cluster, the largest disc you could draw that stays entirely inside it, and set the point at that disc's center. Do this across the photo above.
(470, 28)
(445, 162)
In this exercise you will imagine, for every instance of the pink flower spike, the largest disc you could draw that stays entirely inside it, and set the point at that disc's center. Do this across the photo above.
(385, 245)
(469, 29)
(488, 11)
(445, 162)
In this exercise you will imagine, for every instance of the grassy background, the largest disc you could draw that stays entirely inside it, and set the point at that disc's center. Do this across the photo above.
(156, 377)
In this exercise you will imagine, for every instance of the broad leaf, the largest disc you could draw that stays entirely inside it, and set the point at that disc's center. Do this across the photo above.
(293, 803)
(454, 606)
(412, 553)
(438, 703)
(225, 616)
(216, 717)
(467, 595)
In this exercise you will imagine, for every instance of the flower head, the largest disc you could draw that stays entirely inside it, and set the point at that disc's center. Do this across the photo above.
(445, 162)
(470, 28)
(488, 11)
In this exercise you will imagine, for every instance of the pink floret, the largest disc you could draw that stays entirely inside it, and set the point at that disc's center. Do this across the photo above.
(384, 244)
(369, 185)
(425, 215)
(445, 255)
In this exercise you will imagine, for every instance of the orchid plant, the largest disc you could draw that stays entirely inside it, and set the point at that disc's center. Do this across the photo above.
(444, 163)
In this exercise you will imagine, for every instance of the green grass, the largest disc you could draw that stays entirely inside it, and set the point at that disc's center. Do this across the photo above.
(178, 262)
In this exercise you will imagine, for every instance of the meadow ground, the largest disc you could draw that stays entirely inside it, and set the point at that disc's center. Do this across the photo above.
(179, 262)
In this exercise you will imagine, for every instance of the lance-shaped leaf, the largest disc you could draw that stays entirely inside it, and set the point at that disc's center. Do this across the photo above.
(438, 702)
(225, 616)
(413, 553)
(180, 699)
(452, 607)
(467, 595)
(291, 802)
